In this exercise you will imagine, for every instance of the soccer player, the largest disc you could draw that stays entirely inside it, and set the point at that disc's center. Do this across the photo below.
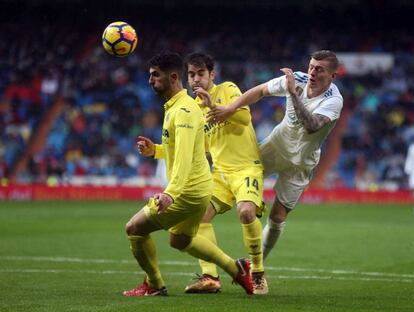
(292, 150)
(180, 207)
(237, 172)
(409, 165)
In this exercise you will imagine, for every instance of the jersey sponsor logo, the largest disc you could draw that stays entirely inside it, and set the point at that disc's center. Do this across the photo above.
(207, 127)
(185, 109)
(211, 128)
(187, 126)
(165, 133)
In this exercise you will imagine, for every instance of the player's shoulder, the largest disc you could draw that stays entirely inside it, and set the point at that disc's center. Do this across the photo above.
(333, 91)
(188, 106)
(230, 89)
(228, 85)
(301, 77)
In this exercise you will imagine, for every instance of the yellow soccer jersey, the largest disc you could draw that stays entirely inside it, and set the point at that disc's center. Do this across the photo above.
(232, 144)
(183, 148)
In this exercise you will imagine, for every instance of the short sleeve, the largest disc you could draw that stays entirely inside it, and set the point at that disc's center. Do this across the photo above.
(277, 86)
(330, 107)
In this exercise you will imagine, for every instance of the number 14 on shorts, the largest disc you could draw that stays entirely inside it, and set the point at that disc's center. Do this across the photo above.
(252, 182)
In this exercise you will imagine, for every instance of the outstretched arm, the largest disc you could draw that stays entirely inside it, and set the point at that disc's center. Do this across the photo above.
(311, 122)
(239, 116)
(221, 113)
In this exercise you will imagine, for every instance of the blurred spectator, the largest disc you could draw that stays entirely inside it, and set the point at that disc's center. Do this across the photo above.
(109, 103)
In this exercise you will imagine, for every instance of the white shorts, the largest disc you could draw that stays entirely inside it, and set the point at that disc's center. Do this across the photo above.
(291, 180)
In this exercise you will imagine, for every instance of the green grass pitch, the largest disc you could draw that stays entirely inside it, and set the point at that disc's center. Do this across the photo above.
(74, 256)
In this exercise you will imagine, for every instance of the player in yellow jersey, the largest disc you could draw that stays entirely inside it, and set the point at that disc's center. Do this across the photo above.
(180, 207)
(237, 172)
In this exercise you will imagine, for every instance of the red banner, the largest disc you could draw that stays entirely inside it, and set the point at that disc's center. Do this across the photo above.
(343, 195)
(44, 192)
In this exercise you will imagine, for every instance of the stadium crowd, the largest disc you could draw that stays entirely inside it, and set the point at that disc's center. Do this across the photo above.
(108, 102)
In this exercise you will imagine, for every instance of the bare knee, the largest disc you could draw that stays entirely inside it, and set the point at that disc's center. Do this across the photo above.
(179, 242)
(246, 211)
(140, 225)
(131, 228)
(279, 212)
(209, 215)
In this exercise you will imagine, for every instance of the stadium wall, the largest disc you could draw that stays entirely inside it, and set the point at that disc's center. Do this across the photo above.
(312, 196)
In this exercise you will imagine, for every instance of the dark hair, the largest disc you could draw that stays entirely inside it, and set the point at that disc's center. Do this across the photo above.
(168, 62)
(326, 55)
(199, 59)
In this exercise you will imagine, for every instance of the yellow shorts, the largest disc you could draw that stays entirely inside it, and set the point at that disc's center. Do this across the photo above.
(243, 185)
(182, 217)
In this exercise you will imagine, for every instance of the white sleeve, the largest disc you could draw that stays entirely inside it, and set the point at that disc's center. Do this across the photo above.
(331, 107)
(277, 86)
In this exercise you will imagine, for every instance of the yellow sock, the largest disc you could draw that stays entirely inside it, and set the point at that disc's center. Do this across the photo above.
(201, 248)
(252, 237)
(206, 230)
(143, 249)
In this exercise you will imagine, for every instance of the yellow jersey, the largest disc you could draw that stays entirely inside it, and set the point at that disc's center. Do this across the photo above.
(232, 144)
(183, 148)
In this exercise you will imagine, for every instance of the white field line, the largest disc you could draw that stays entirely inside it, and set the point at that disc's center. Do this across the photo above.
(194, 263)
(269, 277)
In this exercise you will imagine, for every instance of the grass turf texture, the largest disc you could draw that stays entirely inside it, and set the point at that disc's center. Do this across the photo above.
(74, 256)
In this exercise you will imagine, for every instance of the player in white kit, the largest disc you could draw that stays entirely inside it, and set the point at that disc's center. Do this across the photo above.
(292, 149)
(409, 165)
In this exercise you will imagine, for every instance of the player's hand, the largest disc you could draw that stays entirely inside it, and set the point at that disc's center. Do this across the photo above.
(290, 80)
(219, 114)
(145, 146)
(205, 96)
(163, 201)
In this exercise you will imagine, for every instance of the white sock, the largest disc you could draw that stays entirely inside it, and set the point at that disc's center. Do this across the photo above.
(271, 234)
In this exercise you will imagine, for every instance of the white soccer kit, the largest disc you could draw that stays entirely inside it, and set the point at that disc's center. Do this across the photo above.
(289, 150)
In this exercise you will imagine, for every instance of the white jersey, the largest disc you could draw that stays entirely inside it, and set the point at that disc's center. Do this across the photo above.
(289, 137)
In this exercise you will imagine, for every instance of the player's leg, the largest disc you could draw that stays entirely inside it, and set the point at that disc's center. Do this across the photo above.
(252, 233)
(274, 227)
(206, 230)
(273, 164)
(221, 201)
(201, 248)
(144, 251)
(247, 187)
(289, 187)
(208, 281)
(252, 238)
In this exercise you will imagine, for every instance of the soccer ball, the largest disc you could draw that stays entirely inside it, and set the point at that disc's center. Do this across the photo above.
(119, 39)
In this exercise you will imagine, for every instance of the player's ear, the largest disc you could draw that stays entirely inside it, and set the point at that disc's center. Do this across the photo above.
(334, 74)
(174, 76)
(212, 74)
